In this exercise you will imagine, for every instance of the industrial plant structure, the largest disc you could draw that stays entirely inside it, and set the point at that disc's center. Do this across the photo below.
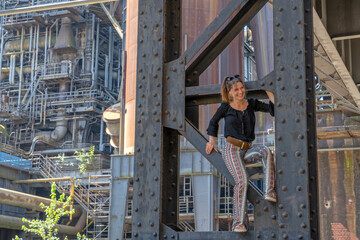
(73, 95)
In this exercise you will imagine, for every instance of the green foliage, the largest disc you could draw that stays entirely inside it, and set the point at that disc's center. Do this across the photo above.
(57, 209)
(85, 158)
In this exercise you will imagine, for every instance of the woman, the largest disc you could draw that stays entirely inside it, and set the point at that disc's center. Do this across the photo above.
(239, 116)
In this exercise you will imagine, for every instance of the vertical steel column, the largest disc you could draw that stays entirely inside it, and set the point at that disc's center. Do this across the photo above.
(295, 132)
(146, 216)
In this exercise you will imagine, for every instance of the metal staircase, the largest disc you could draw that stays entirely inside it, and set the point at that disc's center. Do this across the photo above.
(92, 195)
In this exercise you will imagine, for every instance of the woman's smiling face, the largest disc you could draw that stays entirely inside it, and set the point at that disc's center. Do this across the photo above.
(237, 91)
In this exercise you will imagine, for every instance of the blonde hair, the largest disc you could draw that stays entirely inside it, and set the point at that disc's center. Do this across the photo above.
(226, 85)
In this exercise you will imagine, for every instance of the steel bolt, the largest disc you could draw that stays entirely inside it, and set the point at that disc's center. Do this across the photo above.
(273, 217)
(283, 154)
(302, 206)
(258, 235)
(273, 235)
(284, 188)
(300, 237)
(139, 224)
(299, 188)
(266, 209)
(302, 171)
(285, 236)
(135, 235)
(172, 236)
(285, 214)
(303, 225)
(154, 234)
(280, 171)
(299, 214)
(281, 206)
(140, 194)
(281, 225)
(136, 209)
(297, 154)
(156, 178)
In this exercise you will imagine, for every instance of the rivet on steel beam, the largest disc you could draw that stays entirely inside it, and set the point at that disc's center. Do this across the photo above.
(296, 86)
(279, 104)
(300, 237)
(180, 92)
(159, 39)
(142, 13)
(283, 120)
(158, 85)
(273, 235)
(295, 37)
(281, 9)
(182, 62)
(279, 138)
(136, 235)
(154, 234)
(280, 171)
(171, 170)
(281, 206)
(300, 136)
(154, 134)
(285, 214)
(155, 76)
(173, 213)
(151, 224)
(165, 236)
(299, 188)
(142, 95)
(157, 25)
(138, 149)
(140, 70)
(302, 206)
(270, 83)
(284, 188)
(156, 149)
(266, 209)
(155, 209)
(141, 164)
(140, 194)
(155, 95)
(152, 194)
(278, 54)
(308, 37)
(283, 154)
(278, 24)
(302, 171)
(195, 73)
(180, 126)
(262, 84)
(282, 88)
(153, 164)
(175, 52)
(139, 105)
(145, 26)
(167, 92)
(156, 178)
(144, 55)
(174, 119)
(157, 120)
(307, 10)
(136, 209)
(296, 67)
(281, 39)
(172, 236)
(160, 10)
(141, 41)
(257, 201)
(285, 236)
(173, 184)
(273, 217)
(137, 179)
(154, 113)
(141, 135)
(311, 146)
(295, 7)
(299, 214)
(158, 104)
(299, 52)
(159, 68)
(188, 80)
(258, 235)
(297, 154)
(282, 68)
(278, 79)
(143, 77)
(308, 66)
(170, 199)
(139, 224)
(281, 225)
(300, 77)
(171, 142)
(303, 225)
(297, 120)
(298, 22)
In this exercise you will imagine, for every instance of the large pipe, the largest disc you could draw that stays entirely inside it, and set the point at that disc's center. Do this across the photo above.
(28, 201)
(51, 6)
(15, 45)
(17, 223)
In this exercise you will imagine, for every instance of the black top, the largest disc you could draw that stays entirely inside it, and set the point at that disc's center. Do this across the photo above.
(239, 124)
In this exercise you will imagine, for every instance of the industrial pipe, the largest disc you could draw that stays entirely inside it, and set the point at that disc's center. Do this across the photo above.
(15, 45)
(17, 223)
(28, 201)
(51, 6)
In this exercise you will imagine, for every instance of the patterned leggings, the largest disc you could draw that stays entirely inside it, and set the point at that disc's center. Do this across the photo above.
(236, 159)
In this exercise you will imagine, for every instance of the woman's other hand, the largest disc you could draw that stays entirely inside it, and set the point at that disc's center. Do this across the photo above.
(210, 147)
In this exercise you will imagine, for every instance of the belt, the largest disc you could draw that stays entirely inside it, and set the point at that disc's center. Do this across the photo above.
(239, 143)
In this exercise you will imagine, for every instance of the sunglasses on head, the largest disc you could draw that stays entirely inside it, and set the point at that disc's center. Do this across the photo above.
(231, 78)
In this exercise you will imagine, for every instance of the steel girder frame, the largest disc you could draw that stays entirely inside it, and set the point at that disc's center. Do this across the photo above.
(163, 79)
